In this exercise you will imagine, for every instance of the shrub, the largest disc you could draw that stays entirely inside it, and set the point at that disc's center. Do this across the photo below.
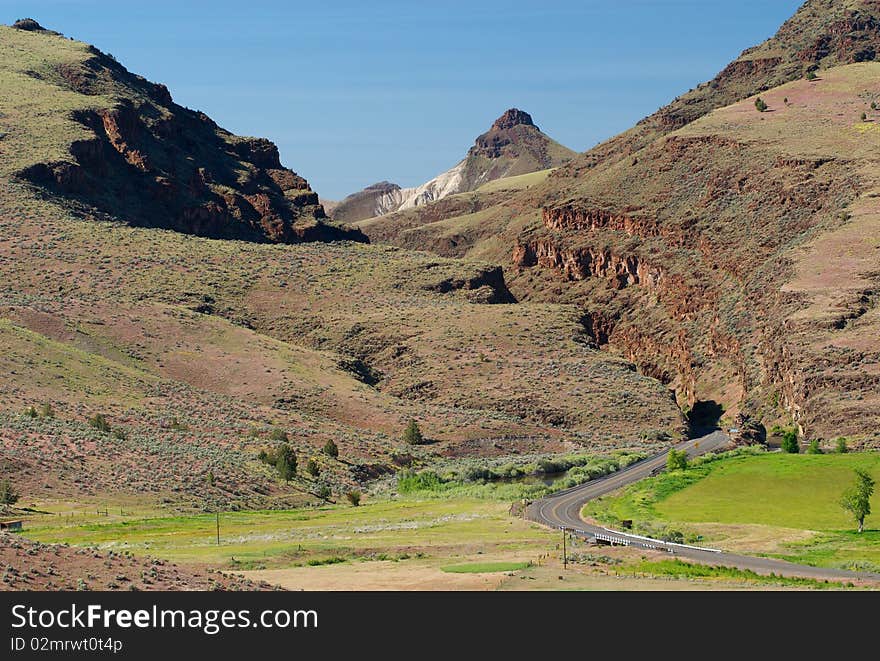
(409, 481)
(99, 422)
(31, 412)
(46, 411)
(811, 75)
(412, 434)
(864, 116)
(330, 449)
(790, 442)
(677, 460)
(354, 497)
(177, 425)
(476, 473)
(279, 435)
(814, 448)
(8, 494)
(841, 445)
(760, 104)
(312, 468)
(324, 492)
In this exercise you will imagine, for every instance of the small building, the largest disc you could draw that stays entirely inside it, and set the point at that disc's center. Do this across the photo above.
(12, 525)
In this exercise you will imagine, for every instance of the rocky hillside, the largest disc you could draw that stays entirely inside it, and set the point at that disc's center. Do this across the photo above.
(156, 366)
(34, 566)
(695, 241)
(512, 146)
(104, 142)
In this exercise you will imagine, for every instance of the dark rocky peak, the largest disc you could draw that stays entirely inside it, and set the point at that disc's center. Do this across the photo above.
(511, 118)
(30, 25)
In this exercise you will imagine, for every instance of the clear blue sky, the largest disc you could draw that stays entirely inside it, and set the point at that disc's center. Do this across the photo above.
(354, 92)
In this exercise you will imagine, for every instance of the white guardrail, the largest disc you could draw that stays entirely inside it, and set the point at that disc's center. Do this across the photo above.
(626, 539)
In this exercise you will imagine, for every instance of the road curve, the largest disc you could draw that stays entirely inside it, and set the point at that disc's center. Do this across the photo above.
(563, 510)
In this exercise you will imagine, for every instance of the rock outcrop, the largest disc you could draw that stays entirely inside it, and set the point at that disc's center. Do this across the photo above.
(512, 146)
(153, 163)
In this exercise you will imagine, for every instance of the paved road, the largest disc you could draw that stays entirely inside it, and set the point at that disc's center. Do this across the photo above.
(563, 510)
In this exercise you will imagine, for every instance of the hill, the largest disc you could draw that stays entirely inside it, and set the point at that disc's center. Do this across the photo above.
(512, 146)
(820, 35)
(697, 242)
(81, 128)
(148, 359)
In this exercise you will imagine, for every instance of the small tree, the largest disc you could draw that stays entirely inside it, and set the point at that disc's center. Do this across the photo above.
(811, 75)
(324, 492)
(760, 105)
(841, 445)
(330, 449)
(354, 497)
(412, 434)
(8, 494)
(285, 462)
(677, 460)
(210, 478)
(46, 411)
(790, 442)
(814, 447)
(864, 116)
(312, 468)
(857, 499)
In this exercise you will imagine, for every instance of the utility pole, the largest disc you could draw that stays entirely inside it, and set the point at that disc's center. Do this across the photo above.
(218, 527)
(564, 554)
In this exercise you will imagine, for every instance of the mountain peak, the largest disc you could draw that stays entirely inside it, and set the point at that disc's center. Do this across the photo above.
(513, 117)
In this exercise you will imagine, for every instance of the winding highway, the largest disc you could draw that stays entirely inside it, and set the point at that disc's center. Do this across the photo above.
(562, 510)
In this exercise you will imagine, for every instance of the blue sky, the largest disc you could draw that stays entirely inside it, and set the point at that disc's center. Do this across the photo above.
(356, 92)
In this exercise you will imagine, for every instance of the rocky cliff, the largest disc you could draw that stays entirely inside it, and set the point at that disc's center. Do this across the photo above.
(142, 158)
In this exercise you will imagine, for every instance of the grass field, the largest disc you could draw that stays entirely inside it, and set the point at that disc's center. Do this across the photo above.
(405, 544)
(394, 530)
(775, 504)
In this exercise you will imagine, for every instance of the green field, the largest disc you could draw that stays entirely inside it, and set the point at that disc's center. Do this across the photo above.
(770, 503)
(398, 529)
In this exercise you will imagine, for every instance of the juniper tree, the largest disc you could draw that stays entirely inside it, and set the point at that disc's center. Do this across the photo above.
(790, 442)
(8, 494)
(412, 434)
(285, 462)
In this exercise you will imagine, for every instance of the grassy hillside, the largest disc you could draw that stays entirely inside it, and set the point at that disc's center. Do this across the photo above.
(200, 353)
